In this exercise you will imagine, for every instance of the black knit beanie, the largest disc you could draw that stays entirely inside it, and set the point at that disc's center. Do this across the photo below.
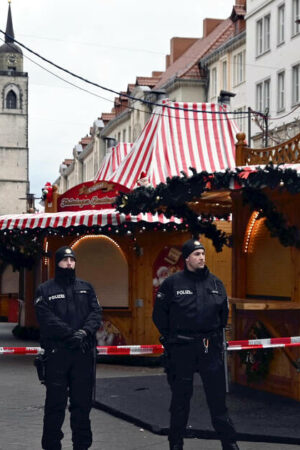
(64, 252)
(190, 246)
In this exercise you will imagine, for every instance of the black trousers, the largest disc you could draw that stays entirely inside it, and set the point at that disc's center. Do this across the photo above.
(68, 373)
(184, 361)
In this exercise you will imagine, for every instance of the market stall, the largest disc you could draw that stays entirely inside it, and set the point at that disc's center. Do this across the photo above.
(127, 256)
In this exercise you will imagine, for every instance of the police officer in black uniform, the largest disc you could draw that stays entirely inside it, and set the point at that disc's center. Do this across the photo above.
(69, 315)
(190, 312)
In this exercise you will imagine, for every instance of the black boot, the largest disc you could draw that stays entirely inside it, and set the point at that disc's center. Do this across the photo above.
(229, 445)
(176, 447)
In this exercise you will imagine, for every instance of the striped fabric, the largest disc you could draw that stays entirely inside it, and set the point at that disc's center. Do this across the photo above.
(174, 140)
(104, 217)
(112, 160)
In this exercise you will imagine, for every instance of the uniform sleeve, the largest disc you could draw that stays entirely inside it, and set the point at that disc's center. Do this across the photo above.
(93, 321)
(51, 325)
(160, 314)
(225, 307)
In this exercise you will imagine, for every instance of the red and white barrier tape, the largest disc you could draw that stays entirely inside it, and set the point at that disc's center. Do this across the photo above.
(264, 343)
(158, 349)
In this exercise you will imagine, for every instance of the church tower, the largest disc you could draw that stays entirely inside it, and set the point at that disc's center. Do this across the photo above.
(14, 182)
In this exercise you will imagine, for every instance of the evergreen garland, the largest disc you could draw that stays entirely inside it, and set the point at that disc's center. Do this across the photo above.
(20, 250)
(170, 198)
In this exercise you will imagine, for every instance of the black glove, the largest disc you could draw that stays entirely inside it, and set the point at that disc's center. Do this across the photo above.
(76, 340)
(164, 342)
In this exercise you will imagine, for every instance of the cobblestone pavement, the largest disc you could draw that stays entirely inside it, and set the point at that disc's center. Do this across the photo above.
(21, 405)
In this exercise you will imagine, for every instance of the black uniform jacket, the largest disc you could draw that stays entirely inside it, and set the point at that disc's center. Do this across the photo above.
(189, 303)
(62, 310)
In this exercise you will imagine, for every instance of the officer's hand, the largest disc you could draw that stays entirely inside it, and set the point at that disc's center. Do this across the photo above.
(85, 345)
(75, 341)
(164, 342)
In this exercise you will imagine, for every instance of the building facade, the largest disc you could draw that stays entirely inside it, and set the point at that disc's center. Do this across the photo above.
(226, 70)
(273, 68)
(14, 183)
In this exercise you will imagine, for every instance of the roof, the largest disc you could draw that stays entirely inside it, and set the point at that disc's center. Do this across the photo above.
(106, 117)
(190, 58)
(112, 160)
(147, 81)
(173, 140)
(9, 46)
(89, 218)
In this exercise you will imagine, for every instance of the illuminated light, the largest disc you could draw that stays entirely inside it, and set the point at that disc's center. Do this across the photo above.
(95, 237)
(249, 230)
(46, 259)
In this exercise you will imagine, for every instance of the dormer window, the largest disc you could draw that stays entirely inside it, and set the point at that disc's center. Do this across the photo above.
(11, 100)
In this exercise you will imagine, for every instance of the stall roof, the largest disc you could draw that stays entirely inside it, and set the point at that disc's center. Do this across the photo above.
(112, 160)
(87, 218)
(173, 140)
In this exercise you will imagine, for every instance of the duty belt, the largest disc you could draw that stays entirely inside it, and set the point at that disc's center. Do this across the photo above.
(203, 338)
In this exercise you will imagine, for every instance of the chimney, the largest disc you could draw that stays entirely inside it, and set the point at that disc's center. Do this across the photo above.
(168, 57)
(242, 3)
(179, 45)
(209, 25)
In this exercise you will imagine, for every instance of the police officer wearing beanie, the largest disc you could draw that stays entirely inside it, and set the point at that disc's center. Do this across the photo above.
(69, 316)
(190, 312)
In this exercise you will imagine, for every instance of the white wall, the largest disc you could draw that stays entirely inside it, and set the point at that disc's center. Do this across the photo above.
(279, 58)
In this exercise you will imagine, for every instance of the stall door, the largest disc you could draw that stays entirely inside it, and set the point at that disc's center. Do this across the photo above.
(102, 262)
(269, 265)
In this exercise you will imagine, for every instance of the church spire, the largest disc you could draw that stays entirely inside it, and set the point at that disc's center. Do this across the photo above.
(9, 37)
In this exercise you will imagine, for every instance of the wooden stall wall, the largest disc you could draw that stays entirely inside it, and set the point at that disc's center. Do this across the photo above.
(265, 290)
(135, 321)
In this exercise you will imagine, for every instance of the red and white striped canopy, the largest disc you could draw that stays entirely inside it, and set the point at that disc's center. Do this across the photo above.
(173, 140)
(88, 218)
(112, 160)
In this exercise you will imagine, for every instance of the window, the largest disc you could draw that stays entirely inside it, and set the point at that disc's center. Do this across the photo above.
(263, 96)
(280, 26)
(129, 133)
(295, 16)
(239, 68)
(259, 97)
(241, 118)
(263, 35)
(11, 100)
(214, 82)
(224, 75)
(266, 95)
(295, 84)
(124, 135)
(280, 91)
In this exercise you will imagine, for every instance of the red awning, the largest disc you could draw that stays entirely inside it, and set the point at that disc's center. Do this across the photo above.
(87, 218)
(112, 160)
(174, 140)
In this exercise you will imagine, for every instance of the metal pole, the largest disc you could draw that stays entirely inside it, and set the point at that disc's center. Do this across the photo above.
(249, 126)
(266, 128)
(225, 353)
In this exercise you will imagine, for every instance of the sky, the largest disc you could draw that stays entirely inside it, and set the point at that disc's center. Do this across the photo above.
(109, 42)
